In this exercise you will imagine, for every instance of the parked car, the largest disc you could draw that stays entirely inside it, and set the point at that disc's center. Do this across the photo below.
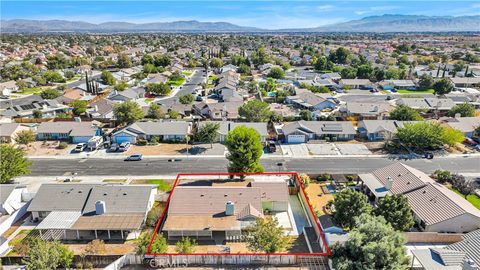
(469, 141)
(135, 157)
(113, 148)
(124, 146)
(95, 142)
(198, 98)
(80, 147)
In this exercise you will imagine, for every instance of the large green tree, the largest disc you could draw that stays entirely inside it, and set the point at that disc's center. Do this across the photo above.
(107, 78)
(245, 148)
(13, 163)
(350, 204)
(255, 111)
(464, 109)
(47, 255)
(127, 112)
(155, 111)
(443, 86)
(276, 73)
(266, 235)
(373, 244)
(405, 113)
(396, 211)
(50, 93)
(423, 136)
(79, 107)
(186, 99)
(208, 133)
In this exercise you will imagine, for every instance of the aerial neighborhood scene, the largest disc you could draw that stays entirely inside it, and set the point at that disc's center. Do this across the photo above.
(240, 135)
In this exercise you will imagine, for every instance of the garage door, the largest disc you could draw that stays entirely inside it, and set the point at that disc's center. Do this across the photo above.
(296, 138)
(121, 139)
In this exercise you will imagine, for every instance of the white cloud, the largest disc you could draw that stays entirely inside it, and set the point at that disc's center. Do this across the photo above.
(324, 8)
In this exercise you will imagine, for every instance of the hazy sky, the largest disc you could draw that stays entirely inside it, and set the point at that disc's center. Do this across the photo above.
(262, 14)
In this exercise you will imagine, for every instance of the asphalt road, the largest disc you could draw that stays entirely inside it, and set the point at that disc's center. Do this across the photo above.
(193, 82)
(98, 167)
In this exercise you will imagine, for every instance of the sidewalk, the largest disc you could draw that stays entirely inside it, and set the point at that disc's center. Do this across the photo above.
(264, 156)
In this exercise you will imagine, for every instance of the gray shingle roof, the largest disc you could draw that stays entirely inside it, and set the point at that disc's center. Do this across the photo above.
(160, 128)
(320, 127)
(7, 129)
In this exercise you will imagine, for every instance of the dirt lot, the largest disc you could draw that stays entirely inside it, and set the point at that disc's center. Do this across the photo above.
(47, 148)
(317, 197)
(160, 149)
(111, 249)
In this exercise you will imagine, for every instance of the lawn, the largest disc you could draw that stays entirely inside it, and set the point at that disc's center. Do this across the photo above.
(149, 100)
(33, 90)
(212, 77)
(406, 91)
(114, 180)
(163, 185)
(472, 198)
(177, 82)
(187, 73)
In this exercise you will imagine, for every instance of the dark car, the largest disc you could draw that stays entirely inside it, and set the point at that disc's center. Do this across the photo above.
(135, 157)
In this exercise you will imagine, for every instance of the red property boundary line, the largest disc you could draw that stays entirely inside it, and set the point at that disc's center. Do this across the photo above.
(326, 253)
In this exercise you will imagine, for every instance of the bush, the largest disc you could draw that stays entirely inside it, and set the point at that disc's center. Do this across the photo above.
(305, 179)
(142, 142)
(442, 176)
(153, 215)
(155, 140)
(324, 177)
(62, 145)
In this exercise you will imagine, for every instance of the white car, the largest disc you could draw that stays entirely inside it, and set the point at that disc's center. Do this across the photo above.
(80, 147)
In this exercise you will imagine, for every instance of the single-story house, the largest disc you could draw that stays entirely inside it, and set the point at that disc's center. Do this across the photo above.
(208, 211)
(366, 110)
(355, 83)
(227, 126)
(463, 255)
(461, 82)
(13, 204)
(467, 125)
(430, 104)
(303, 131)
(375, 130)
(435, 207)
(164, 130)
(126, 95)
(310, 101)
(75, 132)
(48, 108)
(398, 84)
(218, 111)
(91, 211)
(8, 131)
(7, 88)
(335, 76)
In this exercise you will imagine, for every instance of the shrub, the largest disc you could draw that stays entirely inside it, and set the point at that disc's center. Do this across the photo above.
(155, 140)
(142, 142)
(305, 179)
(324, 177)
(62, 145)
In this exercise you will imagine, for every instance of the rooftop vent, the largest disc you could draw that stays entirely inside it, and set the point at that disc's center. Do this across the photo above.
(229, 208)
(100, 208)
(389, 183)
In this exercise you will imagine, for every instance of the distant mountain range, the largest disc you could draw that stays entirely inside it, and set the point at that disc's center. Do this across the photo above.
(384, 23)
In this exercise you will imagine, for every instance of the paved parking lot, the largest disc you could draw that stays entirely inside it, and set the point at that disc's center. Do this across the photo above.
(353, 149)
(295, 150)
(323, 149)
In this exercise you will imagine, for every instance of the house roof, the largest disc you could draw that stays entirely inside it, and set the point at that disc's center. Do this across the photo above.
(367, 108)
(374, 126)
(59, 220)
(320, 127)
(73, 128)
(7, 129)
(82, 198)
(272, 191)
(226, 126)
(469, 245)
(119, 198)
(435, 203)
(308, 99)
(159, 128)
(109, 222)
(405, 178)
(464, 124)
(188, 201)
(355, 81)
(5, 191)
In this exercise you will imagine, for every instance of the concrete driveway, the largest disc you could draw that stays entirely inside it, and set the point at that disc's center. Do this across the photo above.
(323, 149)
(295, 150)
(353, 149)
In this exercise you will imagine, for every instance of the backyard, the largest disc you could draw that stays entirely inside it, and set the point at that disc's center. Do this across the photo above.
(319, 196)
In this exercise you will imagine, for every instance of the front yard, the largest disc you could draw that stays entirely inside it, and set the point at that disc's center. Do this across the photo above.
(160, 149)
(472, 198)
(47, 148)
(406, 91)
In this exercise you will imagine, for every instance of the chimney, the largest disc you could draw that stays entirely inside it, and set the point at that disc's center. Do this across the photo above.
(229, 208)
(389, 183)
(100, 208)
(470, 265)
